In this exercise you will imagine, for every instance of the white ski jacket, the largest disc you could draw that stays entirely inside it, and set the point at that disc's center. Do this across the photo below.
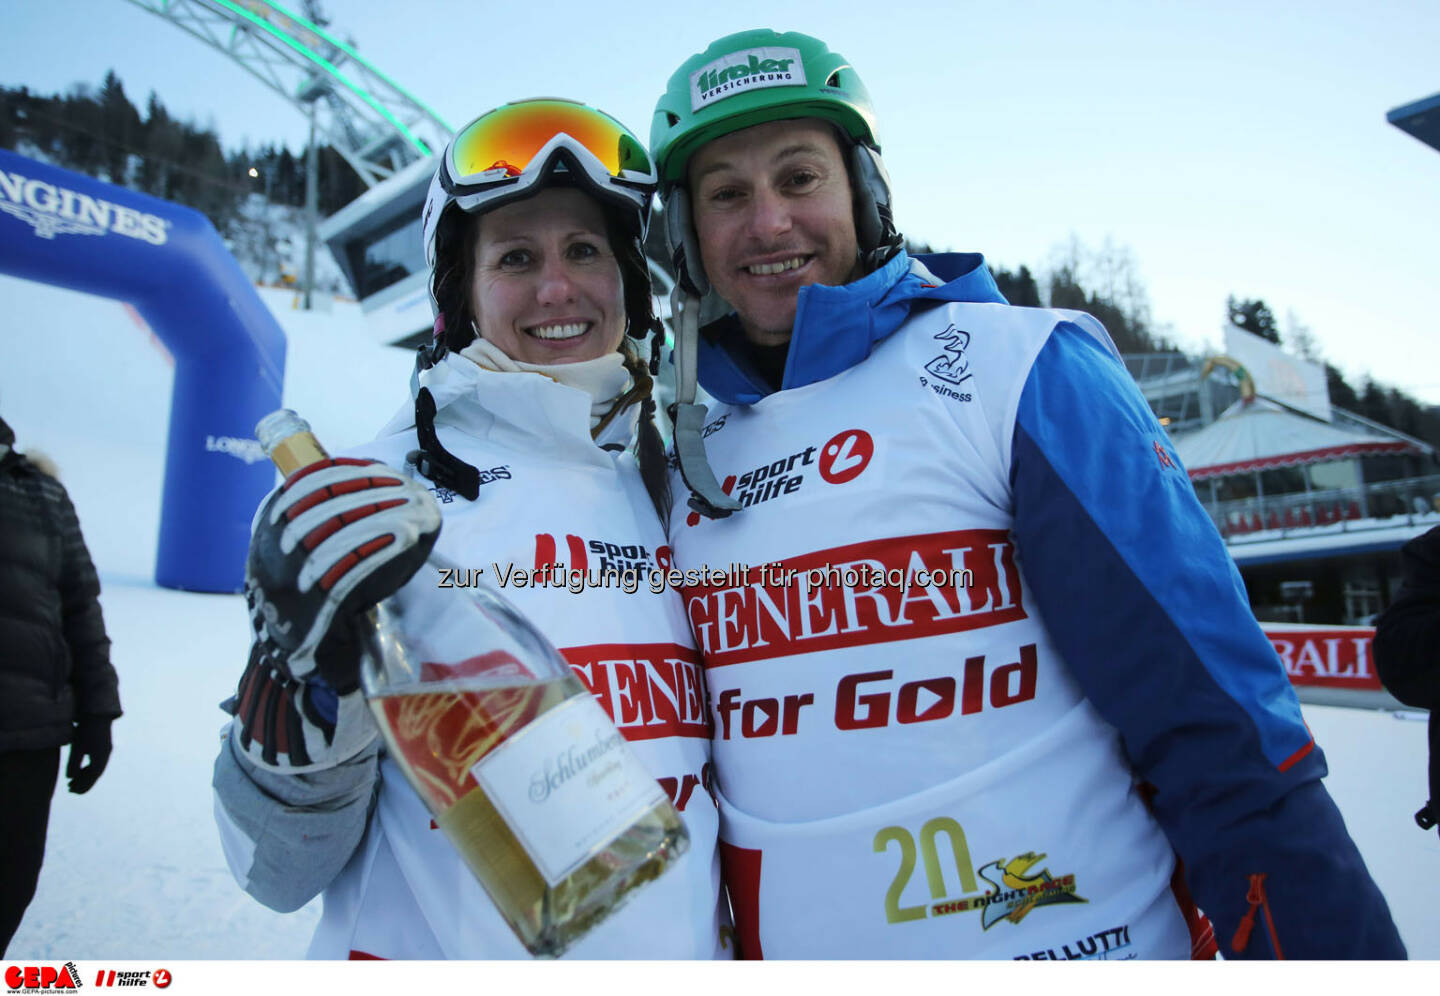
(549, 495)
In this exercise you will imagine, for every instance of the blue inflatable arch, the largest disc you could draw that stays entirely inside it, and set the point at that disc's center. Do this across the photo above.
(62, 228)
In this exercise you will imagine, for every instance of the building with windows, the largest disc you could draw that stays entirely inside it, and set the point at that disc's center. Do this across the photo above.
(1313, 509)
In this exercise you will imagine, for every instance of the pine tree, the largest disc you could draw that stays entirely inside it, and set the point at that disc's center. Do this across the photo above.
(78, 130)
(339, 184)
(9, 117)
(1342, 395)
(163, 143)
(289, 180)
(1019, 287)
(120, 130)
(1301, 339)
(1253, 316)
(1375, 404)
(1130, 331)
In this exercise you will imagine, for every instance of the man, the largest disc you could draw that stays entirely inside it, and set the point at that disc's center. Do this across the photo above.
(56, 682)
(980, 667)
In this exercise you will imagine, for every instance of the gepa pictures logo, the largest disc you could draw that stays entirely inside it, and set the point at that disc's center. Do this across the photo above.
(42, 978)
(749, 69)
(52, 211)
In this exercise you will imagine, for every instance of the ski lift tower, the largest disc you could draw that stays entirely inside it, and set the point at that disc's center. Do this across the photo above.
(371, 121)
(386, 135)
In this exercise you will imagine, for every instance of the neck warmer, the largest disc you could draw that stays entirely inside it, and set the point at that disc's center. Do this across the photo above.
(604, 378)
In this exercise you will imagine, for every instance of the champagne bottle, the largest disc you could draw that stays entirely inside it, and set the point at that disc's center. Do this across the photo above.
(528, 778)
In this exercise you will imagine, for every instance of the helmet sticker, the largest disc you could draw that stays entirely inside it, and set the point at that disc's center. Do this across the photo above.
(749, 69)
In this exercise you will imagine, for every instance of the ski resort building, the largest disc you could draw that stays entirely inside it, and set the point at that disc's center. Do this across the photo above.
(1313, 501)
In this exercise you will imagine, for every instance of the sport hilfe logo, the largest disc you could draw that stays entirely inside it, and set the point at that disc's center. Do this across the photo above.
(846, 456)
(842, 458)
(608, 555)
(160, 978)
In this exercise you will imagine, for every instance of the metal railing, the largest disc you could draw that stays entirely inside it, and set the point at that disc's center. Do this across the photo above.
(1414, 500)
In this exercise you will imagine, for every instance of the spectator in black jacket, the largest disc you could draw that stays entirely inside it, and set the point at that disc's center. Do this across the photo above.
(1407, 647)
(56, 682)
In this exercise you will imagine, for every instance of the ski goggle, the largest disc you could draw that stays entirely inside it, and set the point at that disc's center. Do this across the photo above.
(506, 154)
(511, 142)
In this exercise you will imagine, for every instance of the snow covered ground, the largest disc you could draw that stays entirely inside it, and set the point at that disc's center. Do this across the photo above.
(133, 869)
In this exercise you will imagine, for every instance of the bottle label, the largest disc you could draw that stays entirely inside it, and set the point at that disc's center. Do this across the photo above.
(567, 784)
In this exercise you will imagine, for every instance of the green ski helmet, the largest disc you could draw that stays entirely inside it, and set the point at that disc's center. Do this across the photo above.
(749, 78)
(746, 79)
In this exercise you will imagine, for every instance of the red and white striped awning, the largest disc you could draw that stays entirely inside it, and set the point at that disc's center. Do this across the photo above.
(1262, 435)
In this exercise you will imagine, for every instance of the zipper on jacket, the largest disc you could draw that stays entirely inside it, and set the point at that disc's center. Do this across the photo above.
(1257, 899)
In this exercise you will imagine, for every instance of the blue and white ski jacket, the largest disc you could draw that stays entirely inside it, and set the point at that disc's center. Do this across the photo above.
(980, 667)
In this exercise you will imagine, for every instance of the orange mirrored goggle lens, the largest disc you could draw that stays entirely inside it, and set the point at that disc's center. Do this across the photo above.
(509, 137)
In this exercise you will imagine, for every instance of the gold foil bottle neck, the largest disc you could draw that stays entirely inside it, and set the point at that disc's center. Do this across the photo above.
(287, 440)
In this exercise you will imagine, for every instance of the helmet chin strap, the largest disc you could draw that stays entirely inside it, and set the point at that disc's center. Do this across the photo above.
(874, 222)
(706, 495)
(684, 246)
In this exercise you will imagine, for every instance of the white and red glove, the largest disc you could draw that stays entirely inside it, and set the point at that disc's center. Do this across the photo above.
(333, 540)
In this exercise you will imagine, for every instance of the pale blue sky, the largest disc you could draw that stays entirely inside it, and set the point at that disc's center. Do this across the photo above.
(1230, 147)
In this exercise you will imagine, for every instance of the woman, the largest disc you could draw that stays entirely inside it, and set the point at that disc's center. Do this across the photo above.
(524, 415)
(57, 684)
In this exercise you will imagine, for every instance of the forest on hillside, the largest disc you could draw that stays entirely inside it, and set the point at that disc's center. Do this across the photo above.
(253, 196)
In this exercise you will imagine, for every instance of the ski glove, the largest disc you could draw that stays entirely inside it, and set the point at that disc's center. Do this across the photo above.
(92, 741)
(333, 540)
